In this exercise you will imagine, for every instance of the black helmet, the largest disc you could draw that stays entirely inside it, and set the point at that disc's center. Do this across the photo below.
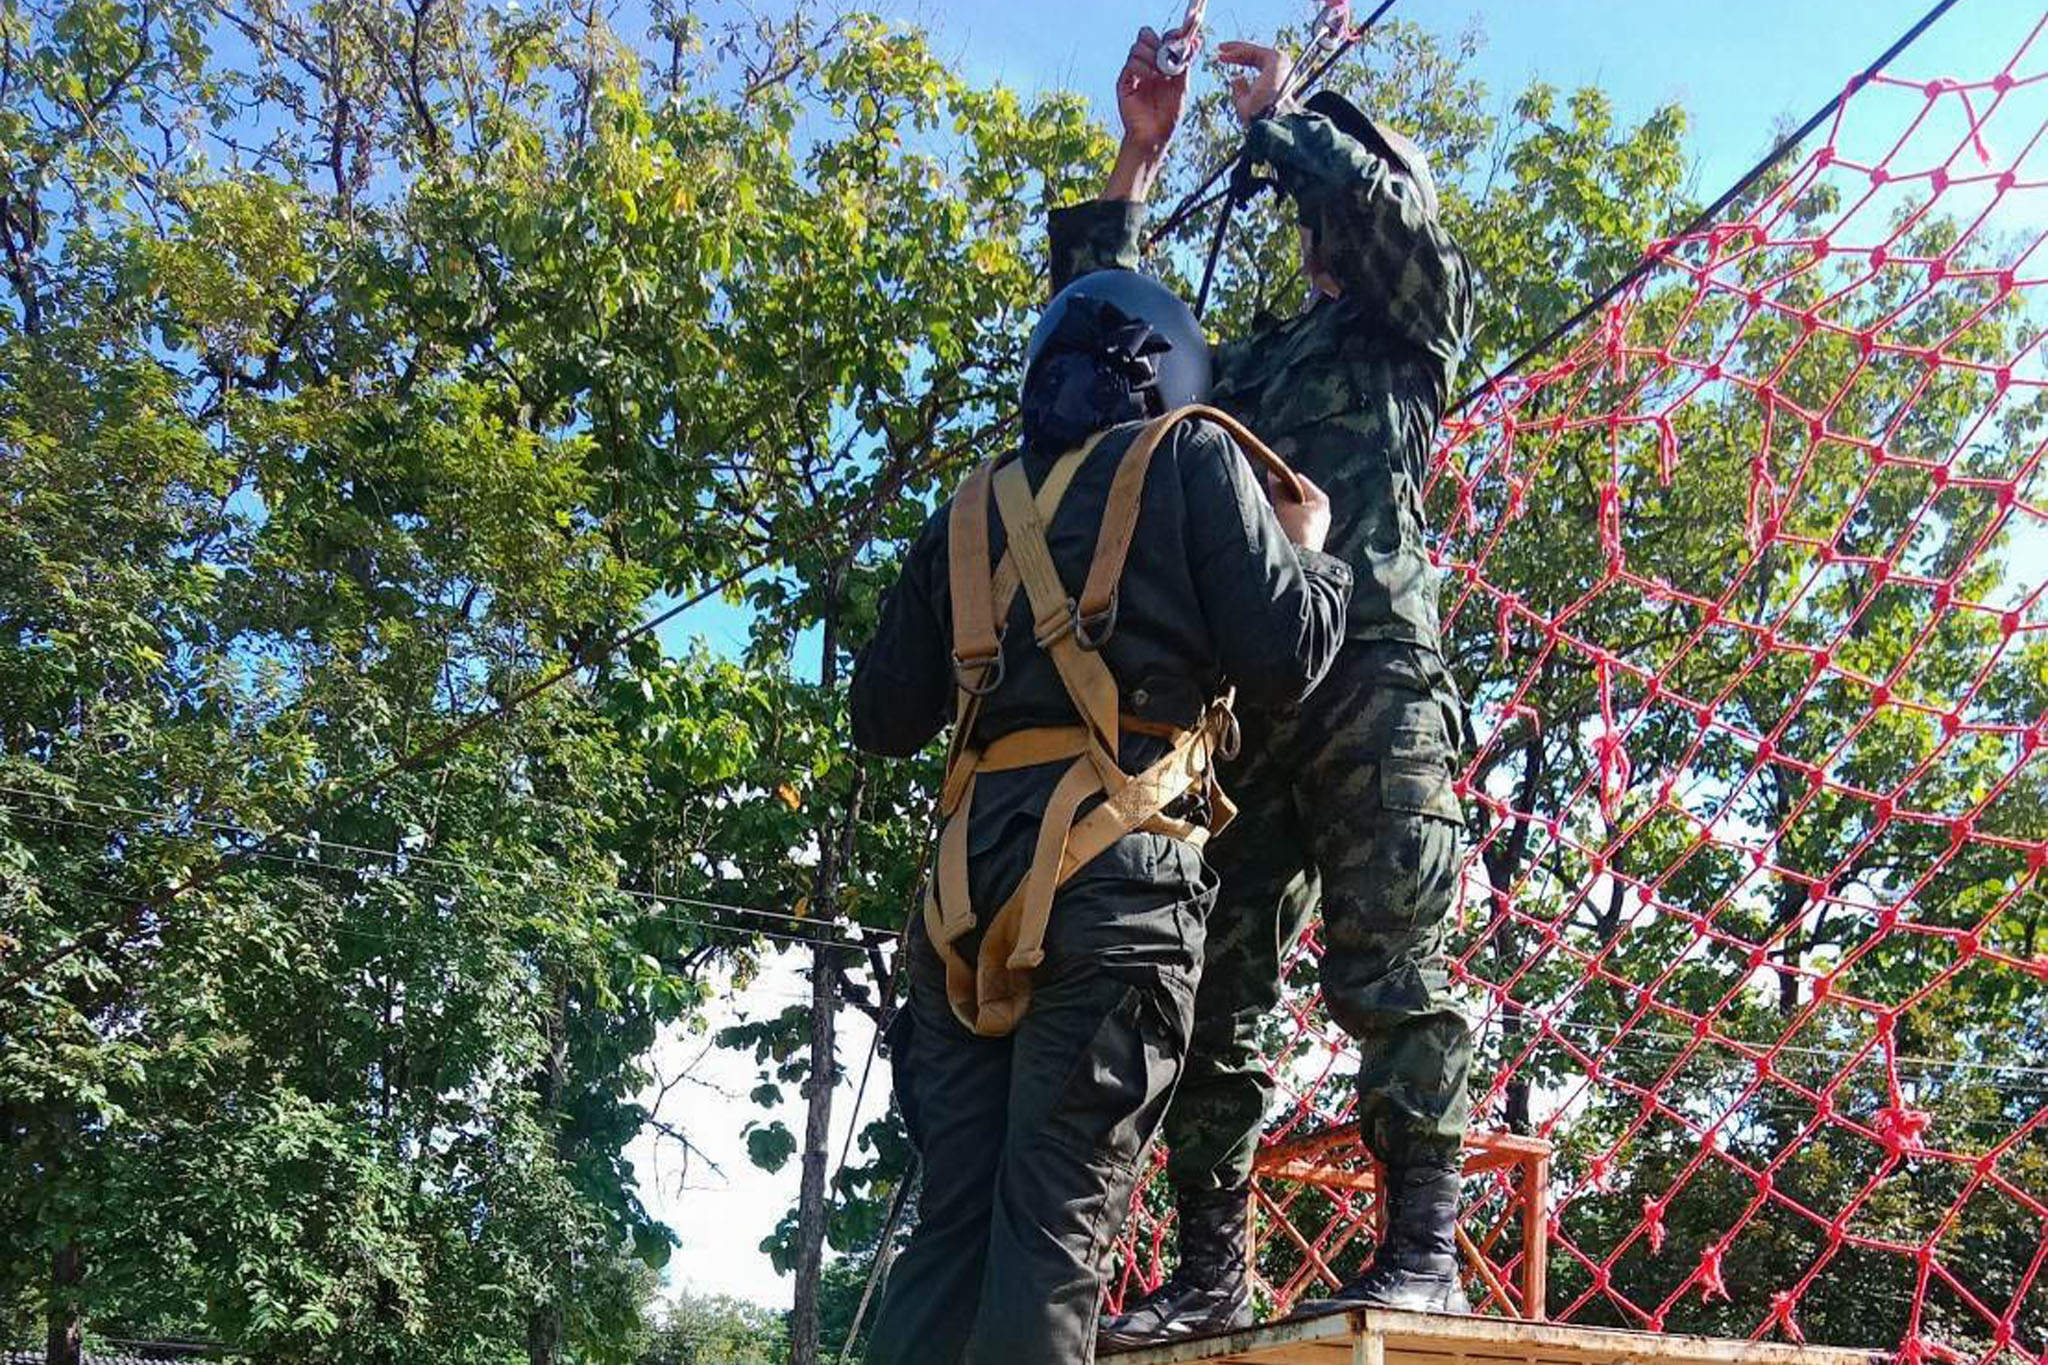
(1182, 368)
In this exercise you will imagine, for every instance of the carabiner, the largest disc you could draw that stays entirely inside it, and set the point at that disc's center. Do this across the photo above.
(1177, 54)
(1091, 633)
(1333, 25)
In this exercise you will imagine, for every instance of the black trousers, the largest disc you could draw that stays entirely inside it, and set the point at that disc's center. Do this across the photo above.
(1032, 1143)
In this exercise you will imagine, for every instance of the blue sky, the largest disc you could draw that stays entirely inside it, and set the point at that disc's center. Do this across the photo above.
(1742, 68)
(1737, 66)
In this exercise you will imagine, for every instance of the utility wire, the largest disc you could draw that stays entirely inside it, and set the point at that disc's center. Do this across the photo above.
(739, 931)
(1652, 258)
(470, 867)
(1631, 1037)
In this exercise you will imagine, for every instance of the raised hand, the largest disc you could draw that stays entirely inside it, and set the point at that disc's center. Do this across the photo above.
(1147, 100)
(1259, 92)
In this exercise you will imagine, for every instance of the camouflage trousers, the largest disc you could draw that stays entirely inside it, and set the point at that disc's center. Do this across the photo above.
(1345, 802)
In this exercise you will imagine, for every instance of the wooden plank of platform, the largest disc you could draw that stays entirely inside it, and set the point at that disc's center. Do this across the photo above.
(1380, 1338)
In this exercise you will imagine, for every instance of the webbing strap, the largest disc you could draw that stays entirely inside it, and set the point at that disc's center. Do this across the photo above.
(991, 995)
(1120, 513)
(967, 552)
(1086, 677)
(1048, 498)
(974, 620)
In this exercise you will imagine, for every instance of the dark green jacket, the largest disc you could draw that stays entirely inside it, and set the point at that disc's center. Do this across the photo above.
(1350, 391)
(1212, 592)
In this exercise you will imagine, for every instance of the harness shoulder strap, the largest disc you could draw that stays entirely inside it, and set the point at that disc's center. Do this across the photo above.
(975, 644)
(1120, 513)
(1086, 677)
(980, 604)
(1048, 498)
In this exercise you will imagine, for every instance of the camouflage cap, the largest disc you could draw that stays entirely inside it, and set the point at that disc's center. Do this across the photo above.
(1390, 146)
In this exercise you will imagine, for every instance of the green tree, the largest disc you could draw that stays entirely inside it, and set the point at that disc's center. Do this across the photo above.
(718, 1330)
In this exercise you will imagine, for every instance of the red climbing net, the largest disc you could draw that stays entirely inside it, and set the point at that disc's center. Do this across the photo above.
(1747, 582)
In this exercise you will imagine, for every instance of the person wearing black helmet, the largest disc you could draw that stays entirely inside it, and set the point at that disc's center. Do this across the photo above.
(1348, 803)
(1080, 610)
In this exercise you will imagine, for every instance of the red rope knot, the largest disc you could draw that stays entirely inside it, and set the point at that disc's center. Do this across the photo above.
(1615, 768)
(1667, 450)
(1601, 1177)
(1653, 1224)
(1711, 1285)
(1899, 1128)
(1610, 525)
(1782, 1304)
(1764, 494)
(1503, 619)
(1918, 1350)
(1613, 331)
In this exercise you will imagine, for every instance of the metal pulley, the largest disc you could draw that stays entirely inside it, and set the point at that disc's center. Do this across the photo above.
(1177, 53)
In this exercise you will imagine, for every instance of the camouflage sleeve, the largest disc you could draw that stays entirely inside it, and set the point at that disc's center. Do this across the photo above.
(1371, 229)
(1101, 234)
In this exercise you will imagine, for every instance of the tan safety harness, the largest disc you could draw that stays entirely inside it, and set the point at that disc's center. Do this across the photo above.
(991, 995)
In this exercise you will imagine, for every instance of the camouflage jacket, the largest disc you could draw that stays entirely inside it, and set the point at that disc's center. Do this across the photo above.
(1349, 391)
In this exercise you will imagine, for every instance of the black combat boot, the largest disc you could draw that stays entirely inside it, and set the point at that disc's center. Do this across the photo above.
(1209, 1291)
(1416, 1268)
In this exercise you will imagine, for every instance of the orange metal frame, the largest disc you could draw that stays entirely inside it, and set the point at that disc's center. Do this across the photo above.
(1335, 1159)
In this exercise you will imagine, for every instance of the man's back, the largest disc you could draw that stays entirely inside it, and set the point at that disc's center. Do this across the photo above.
(1053, 970)
(1211, 589)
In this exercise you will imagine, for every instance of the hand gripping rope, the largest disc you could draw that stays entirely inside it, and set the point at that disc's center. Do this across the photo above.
(1331, 39)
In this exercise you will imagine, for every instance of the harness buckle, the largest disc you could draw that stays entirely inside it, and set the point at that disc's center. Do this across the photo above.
(1050, 629)
(1230, 742)
(1092, 632)
(992, 673)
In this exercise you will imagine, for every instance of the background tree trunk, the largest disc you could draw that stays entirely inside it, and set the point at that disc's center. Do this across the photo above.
(67, 1323)
(811, 1202)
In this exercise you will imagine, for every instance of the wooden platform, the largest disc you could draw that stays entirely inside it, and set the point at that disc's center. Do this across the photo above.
(1377, 1338)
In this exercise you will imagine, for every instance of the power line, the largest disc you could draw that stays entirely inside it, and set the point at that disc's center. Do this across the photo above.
(1830, 1054)
(1707, 215)
(315, 865)
(426, 859)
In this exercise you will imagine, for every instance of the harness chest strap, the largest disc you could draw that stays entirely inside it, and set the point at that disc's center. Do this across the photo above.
(991, 995)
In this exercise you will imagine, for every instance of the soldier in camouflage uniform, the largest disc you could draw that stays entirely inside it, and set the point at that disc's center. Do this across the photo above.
(1347, 799)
